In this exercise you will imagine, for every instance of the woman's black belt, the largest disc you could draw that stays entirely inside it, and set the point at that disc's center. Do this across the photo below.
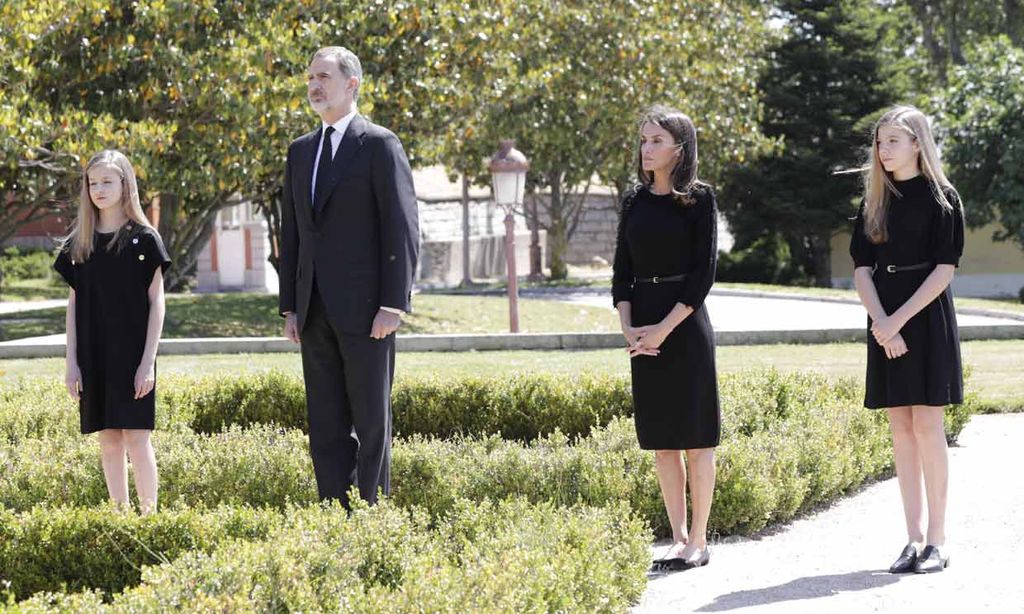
(659, 279)
(892, 268)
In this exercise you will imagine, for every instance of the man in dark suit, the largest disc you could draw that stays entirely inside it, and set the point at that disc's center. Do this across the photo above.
(349, 244)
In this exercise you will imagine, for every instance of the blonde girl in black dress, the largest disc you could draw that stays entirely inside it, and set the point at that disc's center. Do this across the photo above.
(114, 260)
(907, 241)
(664, 266)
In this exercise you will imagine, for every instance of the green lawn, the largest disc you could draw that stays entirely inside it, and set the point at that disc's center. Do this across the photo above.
(996, 365)
(255, 315)
(20, 290)
(1003, 304)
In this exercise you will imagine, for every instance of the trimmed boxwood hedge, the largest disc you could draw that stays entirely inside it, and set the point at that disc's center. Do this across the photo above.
(47, 549)
(545, 444)
(482, 557)
(812, 455)
(523, 407)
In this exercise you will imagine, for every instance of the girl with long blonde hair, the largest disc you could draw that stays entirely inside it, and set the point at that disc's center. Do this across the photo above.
(114, 260)
(907, 242)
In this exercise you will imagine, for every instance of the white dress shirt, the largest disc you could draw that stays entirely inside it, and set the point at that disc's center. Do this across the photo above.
(340, 127)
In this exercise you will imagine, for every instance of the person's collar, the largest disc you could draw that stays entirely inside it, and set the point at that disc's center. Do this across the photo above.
(342, 124)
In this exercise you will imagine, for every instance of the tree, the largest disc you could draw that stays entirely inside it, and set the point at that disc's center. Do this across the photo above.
(946, 25)
(824, 82)
(583, 71)
(981, 119)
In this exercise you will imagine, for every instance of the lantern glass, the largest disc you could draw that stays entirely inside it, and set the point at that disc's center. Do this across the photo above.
(509, 187)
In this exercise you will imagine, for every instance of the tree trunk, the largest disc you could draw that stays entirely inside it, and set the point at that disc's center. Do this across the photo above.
(953, 34)
(1014, 21)
(821, 251)
(558, 239)
(928, 14)
(271, 210)
(467, 278)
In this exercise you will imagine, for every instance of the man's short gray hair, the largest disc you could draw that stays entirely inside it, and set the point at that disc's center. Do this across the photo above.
(347, 62)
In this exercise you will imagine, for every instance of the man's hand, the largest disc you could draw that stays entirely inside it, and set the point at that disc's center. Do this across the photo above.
(291, 327)
(384, 323)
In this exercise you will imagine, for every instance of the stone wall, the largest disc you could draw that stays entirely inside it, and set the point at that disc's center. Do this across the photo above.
(594, 236)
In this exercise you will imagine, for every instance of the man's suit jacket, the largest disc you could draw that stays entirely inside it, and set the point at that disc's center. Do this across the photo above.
(362, 242)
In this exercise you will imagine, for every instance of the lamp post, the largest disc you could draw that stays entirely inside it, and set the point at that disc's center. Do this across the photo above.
(508, 179)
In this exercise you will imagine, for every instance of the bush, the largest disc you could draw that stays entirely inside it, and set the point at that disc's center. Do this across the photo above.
(522, 408)
(262, 466)
(26, 263)
(487, 557)
(767, 260)
(102, 548)
(811, 456)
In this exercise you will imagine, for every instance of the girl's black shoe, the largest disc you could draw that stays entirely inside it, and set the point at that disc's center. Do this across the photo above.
(931, 560)
(905, 564)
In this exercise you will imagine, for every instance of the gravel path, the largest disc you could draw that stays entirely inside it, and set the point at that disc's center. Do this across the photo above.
(836, 560)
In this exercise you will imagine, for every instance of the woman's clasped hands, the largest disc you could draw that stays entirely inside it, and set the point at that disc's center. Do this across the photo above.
(645, 340)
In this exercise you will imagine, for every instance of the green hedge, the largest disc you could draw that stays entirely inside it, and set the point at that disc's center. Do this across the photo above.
(523, 407)
(807, 458)
(486, 557)
(49, 549)
(26, 263)
(261, 466)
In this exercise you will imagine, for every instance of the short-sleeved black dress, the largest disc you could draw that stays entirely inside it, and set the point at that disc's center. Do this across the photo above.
(111, 318)
(675, 394)
(920, 231)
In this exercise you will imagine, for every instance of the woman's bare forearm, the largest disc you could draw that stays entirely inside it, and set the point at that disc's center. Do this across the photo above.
(934, 285)
(867, 292)
(71, 355)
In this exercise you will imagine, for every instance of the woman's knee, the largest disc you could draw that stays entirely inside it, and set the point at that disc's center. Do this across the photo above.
(136, 440)
(701, 457)
(667, 456)
(928, 422)
(901, 422)
(111, 441)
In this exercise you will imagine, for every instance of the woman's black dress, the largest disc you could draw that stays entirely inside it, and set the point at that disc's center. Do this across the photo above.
(111, 318)
(675, 394)
(920, 230)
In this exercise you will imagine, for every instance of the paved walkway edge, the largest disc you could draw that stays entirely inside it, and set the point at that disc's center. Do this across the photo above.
(504, 341)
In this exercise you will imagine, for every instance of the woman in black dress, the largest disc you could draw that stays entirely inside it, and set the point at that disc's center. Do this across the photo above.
(665, 260)
(908, 239)
(114, 260)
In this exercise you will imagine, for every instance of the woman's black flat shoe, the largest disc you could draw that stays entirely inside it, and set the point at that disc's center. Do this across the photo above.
(705, 558)
(931, 560)
(905, 564)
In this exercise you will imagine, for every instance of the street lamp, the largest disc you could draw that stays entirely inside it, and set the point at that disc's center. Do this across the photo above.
(508, 179)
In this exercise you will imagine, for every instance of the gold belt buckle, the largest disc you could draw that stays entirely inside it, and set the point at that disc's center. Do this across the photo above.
(890, 268)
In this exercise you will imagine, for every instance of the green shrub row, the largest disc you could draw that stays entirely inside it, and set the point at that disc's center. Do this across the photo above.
(809, 456)
(49, 549)
(482, 557)
(523, 407)
(21, 263)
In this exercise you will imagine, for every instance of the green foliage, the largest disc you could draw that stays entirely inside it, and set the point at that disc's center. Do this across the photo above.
(981, 117)
(484, 557)
(766, 260)
(825, 77)
(55, 549)
(789, 443)
(20, 264)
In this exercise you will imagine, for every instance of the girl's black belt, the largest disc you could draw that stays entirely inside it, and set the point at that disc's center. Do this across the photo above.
(659, 279)
(892, 268)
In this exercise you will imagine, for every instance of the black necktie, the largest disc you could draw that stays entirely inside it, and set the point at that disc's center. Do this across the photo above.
(323, 170)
